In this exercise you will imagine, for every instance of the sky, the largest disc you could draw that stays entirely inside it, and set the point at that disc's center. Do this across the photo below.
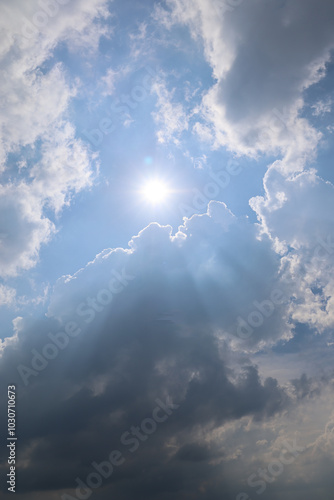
(166, 249)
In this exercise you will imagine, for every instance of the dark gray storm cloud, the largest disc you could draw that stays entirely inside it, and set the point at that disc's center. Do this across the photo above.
(140, 329)
(145, 328)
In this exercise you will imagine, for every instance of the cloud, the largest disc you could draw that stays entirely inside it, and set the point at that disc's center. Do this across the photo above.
(64, 168)
(33, 100)
(24, 228)
(7, 295)
(35, 123)
(158, 320)
(296, 213)
(216, 252)
(135, 349)
(108, 81)
(263, 56)
(322, 107)
(170, 117)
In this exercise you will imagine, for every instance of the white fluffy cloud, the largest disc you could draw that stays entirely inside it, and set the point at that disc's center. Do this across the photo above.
(50, 162)
(33, 100)
(23, 227)
(64, 168)
(297, 214)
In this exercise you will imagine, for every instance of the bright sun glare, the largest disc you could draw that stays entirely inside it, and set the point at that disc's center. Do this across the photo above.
(155, 191)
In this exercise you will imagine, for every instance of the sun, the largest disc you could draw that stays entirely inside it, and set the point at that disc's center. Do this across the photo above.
(155, 191)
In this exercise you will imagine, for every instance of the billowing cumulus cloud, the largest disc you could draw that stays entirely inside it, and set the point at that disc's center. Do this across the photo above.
(214, 259)
(156, 321)
(301, 228)
(263, 56)
(134, 310)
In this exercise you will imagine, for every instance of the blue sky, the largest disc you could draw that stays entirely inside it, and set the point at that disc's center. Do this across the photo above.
(218, 294)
